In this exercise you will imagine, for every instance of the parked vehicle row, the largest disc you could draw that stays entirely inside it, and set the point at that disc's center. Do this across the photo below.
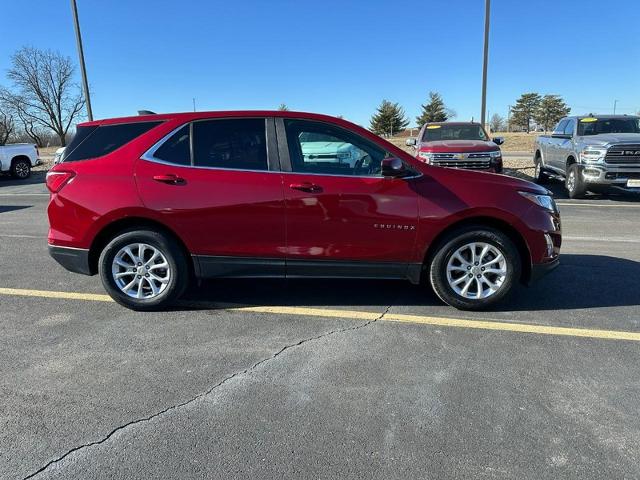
(18, 159)
(283, 194)
(591, 153)
(463, 145)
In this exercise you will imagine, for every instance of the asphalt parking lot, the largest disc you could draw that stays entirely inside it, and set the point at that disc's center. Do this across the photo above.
(322, 379)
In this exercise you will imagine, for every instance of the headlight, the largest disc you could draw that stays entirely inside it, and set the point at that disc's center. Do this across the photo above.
(496, 154)
(344, 155)
(591, 154)
(544, 201)
(427, 156)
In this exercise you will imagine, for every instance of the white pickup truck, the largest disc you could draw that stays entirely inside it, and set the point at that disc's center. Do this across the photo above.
(18, 159)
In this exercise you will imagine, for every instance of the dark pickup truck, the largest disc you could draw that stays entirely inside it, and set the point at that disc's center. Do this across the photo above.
(591, 153)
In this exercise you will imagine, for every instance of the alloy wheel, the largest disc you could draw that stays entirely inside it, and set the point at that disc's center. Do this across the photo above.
(476, 270)
(22, 170)
(141, 270)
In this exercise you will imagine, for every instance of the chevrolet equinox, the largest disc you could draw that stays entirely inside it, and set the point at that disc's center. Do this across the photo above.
(150, 202)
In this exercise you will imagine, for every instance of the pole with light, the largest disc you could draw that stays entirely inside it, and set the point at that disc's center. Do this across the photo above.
(487, 11)
(83, 69)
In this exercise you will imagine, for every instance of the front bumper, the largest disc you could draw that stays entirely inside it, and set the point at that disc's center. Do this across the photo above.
(609, 175)
(541, 269)
(73, 259)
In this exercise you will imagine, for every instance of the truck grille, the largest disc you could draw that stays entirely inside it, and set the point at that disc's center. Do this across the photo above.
(471, 161)
(623, 154)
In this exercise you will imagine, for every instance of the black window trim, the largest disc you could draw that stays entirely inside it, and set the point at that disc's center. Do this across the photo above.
(273, 163)
(285, 159)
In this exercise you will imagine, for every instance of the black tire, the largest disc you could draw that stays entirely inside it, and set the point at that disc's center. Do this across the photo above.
(540, 176)
(175, 256)
(450, 245)
(574, 183)
(21, 168)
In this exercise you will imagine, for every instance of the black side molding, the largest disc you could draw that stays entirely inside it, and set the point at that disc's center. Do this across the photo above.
(73, 259)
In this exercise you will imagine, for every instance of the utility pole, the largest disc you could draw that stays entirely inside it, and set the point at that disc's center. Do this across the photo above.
(509, 118)
(83, 69)
(487, 14)
(194, 104)
(615, 103)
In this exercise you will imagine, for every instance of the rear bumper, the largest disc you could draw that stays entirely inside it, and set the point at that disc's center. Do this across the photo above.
(73, 259)
(541, 269)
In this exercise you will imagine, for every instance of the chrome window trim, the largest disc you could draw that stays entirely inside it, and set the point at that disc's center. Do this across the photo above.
(148, 156)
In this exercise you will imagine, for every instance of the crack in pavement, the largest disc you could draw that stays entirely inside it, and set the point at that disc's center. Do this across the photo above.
(207, 392)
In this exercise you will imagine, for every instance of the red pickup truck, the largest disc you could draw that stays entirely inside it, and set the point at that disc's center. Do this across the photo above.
(458, 145)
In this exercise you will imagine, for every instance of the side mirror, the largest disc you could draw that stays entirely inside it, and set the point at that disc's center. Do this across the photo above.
(411, 142)
(498, 140)
(393, 167)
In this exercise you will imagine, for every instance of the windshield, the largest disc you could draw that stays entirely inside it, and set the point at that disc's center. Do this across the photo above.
(596, 126)
(453, 132)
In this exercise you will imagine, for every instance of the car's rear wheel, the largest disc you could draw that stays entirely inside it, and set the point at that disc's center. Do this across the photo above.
(575, 185)
(143, 269)
(21, 168)
(540, 175)
(474, 268)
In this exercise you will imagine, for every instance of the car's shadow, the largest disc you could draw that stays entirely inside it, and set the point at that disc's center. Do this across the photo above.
(581, 281)
(36, 177)
(614, 195)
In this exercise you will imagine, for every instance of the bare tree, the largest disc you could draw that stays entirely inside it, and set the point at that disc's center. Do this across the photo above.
(44, 94)
(497, 123)
(7, 127)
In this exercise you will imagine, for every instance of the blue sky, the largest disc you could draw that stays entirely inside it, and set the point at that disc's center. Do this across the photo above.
(338, 57)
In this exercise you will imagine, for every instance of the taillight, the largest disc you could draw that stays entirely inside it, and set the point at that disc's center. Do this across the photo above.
(58, 179)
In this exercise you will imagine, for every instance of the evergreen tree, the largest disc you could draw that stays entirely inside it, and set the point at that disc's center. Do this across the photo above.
(389, 119)
(552, 108)
(434, 111)
(524, 110)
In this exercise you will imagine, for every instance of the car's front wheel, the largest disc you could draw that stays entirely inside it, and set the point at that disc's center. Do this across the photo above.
(474, 268)
(143, 269)
(576, 186)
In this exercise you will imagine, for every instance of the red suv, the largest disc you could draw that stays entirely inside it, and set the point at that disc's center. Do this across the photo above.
(149, 202)
(458, 145)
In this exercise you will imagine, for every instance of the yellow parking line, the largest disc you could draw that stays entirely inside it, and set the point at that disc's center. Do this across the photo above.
(95, 297)
(496, 325)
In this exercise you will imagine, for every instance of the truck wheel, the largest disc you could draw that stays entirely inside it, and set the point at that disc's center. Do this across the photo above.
(143, 269)
(576, 186)
(475, 268)
(540, 175)
(21, 168)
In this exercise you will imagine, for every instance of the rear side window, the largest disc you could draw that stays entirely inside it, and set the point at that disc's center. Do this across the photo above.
(93, 142)
(235, 143)
(176, 149)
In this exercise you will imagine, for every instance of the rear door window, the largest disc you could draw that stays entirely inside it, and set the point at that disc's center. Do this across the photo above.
(93, 142)
(176, 148)
(233, 143)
